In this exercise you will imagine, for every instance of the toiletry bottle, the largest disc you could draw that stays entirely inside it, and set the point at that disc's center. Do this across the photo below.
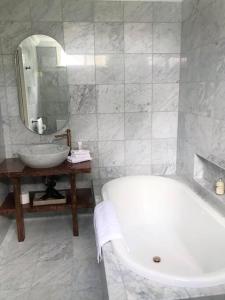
(220, 187)
(79, 145)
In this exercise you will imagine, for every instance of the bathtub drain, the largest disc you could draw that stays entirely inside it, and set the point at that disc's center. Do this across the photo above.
(157, 259)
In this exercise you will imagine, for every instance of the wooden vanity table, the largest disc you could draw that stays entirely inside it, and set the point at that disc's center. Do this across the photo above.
(14, 169)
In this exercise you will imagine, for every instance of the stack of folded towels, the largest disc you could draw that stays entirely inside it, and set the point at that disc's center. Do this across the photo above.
(78, 156)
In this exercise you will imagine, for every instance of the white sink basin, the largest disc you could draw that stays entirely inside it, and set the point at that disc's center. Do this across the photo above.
(44, 155)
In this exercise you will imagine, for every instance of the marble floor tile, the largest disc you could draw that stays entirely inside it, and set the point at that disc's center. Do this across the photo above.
(20, 253)
(53, 273)
(84, 248)
(88, 294)
(21, 294)
(50, 263)
(58, 292)
(56, 250)
(86, 274)
(16, 276)
(57, 229)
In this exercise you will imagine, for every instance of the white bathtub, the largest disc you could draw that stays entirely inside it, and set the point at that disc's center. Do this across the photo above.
(163, 217)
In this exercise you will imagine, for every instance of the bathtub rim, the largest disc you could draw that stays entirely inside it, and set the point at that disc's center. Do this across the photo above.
(205, 281)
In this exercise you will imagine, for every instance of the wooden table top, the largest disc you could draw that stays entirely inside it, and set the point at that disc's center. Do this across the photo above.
(13, 167)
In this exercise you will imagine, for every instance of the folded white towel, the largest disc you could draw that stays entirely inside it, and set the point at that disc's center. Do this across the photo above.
(75, 160)
(80, 152)
(78, 156)
(106, 226)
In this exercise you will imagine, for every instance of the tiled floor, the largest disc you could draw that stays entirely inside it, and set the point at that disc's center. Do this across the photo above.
(50, 263)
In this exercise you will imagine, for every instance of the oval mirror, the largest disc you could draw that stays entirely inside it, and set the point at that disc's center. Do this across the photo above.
(42, 84)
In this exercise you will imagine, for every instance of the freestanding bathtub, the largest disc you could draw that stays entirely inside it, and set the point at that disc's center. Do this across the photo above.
(163, 217)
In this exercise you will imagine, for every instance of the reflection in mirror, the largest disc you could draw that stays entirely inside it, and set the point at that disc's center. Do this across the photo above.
(42, 84)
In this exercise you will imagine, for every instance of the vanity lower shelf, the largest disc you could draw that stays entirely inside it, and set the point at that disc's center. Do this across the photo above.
(84, 200)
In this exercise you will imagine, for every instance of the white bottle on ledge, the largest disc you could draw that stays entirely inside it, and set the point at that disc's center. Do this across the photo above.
(220, 187)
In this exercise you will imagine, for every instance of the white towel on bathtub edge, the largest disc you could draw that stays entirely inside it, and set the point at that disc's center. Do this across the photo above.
(106, 226)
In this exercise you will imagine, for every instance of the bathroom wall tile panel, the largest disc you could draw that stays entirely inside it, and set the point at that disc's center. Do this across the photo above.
(3, 104)
(83, 72)
(78, 11)
(190, 8)
(133, 149)
(110, 98)
(82, 98)
(110, 127)
(112, 172)
(12, 101)
(165, 97)
(138, 37)
(159, 119)
(138, 97)
(166, 68)
(79, 38)
(217, 99)
(138, 11)
(163, 169)
(19, 134)
(186, 99)
(138, 68)
(218, 133)
(11, 34)
(218, 56)
(214, 69)
(84, 127)
(111, 153)
(211, 22)
(190, 70)
(9, 70)
(138, 170)
(203, 135)
(14, 10)
(111, 11)
(53, 29)
(187, 126)
(109, 68)
(137, 126)
(7, 135)
(109, 38)
(185, 158)
(206, 93)
(166, 37)
(167, 12)
(46, 10)
(164, 151)
(2, 76)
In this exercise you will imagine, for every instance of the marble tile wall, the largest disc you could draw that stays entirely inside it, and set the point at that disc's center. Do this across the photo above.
(202, 86)
(124, 94)
(4, 222)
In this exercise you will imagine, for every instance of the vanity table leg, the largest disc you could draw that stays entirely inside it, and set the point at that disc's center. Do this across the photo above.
(19, 209)
(74, 204)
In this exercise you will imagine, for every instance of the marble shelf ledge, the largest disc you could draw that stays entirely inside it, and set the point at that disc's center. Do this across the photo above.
(124, 284)
(219, 162)
(207, 170)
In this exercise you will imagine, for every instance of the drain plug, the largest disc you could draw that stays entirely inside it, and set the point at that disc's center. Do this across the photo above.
(157, 259)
